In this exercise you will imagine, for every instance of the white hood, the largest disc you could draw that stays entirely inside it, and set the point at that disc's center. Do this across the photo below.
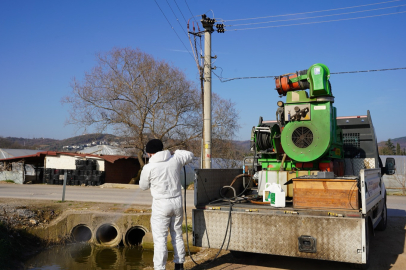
(162, 173)
(160, 156)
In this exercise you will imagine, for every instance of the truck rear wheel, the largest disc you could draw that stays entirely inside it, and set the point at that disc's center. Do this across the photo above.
(384, 221)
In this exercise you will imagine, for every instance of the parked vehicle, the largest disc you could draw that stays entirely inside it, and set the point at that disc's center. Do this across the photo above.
(327, 169)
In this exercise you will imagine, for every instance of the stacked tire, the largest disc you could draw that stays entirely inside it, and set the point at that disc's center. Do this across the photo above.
(86, 173)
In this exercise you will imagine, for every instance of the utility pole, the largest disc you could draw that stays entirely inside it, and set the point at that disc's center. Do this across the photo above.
(208, 26)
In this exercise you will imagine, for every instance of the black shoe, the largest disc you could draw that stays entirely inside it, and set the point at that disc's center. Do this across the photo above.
(179, 266)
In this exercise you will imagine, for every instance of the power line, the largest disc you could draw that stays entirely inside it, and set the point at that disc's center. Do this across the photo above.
(193, 16)
(173, 29)
(310, 11)
(329, 15)
(176, 18)
(274, 26)
(370, 70)
(335, 73)
(180, 11)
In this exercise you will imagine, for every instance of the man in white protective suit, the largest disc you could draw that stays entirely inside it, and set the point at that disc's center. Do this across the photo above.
(162, 176)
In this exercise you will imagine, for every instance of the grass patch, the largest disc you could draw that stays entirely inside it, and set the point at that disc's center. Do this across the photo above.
(191, 186)
(9, 181)
(189, 228)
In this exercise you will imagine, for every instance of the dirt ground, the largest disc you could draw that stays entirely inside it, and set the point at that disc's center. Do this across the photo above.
(387, 247)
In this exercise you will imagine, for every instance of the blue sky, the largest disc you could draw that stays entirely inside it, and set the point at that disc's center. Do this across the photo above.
(45, 44)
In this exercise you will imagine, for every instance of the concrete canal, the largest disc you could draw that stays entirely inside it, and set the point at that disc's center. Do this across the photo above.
(97, 240)
(88, 256)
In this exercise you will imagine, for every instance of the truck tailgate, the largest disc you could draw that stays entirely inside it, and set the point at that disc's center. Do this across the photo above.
(331, 238)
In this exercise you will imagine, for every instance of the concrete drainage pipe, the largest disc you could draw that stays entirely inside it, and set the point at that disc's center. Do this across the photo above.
(134, 236)
(81, 233)
(108, 235)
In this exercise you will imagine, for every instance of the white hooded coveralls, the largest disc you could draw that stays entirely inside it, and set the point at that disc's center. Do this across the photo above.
(162, 176)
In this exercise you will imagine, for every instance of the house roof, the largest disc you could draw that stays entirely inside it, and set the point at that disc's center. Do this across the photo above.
(9, 153)
(103, 150)
(41, 155)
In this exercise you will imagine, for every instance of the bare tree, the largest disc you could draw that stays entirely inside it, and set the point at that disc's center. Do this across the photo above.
(224, 128)
(223, 148)
(139, 98)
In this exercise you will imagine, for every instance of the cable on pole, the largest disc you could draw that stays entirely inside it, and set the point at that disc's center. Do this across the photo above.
(321, 16)
(335, 73)
(176, 17)
(371, 70)
(180, 11)
(191, 13)
(173, 29)
(347, 19)
(309, 12)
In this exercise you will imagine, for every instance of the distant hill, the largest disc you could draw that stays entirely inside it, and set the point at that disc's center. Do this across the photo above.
(401, 141)
(9, 144)
(243, 145)
(47, 144)
(35, 143)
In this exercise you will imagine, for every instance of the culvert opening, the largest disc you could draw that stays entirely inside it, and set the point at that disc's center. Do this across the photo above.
(81, 233)
(106, 234)
(134, 236)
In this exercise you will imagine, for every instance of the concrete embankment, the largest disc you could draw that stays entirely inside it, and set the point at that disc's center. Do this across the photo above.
(102, 229)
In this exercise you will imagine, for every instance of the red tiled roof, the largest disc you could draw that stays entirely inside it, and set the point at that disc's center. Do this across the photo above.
(108, 158)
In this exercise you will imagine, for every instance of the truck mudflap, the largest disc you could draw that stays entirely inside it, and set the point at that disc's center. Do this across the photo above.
(324, 238)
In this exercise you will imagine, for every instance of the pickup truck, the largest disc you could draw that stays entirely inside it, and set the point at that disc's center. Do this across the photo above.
(229, 218)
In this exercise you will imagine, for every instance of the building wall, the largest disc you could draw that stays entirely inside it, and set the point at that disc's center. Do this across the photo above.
(68, 162)
(17, 177)
(121, 171)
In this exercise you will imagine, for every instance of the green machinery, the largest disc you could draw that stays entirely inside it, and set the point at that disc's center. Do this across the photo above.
(305, 135)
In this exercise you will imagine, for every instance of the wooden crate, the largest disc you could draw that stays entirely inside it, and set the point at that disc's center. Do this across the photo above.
(325, 193)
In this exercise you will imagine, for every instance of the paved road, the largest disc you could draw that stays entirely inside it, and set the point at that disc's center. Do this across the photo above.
(396, 206)
(133, 195)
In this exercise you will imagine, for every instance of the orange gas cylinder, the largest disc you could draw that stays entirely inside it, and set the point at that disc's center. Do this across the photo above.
(284, 82)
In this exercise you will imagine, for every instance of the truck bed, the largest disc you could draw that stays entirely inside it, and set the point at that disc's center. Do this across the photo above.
(320, 233)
